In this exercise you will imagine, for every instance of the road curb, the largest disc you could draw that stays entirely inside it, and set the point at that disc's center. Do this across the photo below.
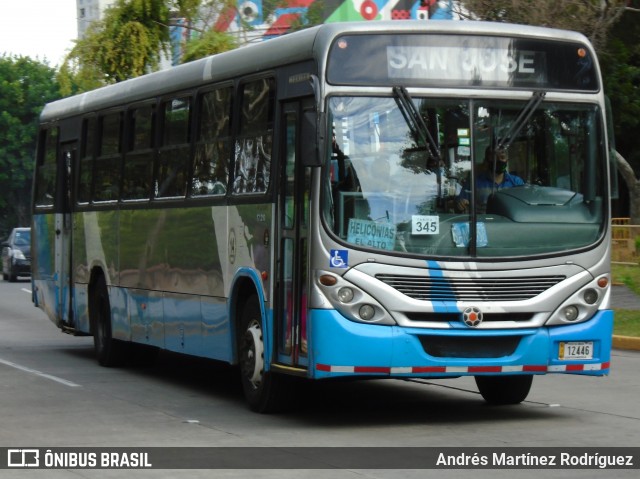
(626, 342)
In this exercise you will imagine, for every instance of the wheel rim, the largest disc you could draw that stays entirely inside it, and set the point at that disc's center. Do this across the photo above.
(253, 354)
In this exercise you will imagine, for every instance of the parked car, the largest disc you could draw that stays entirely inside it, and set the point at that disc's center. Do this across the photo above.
(16, 254)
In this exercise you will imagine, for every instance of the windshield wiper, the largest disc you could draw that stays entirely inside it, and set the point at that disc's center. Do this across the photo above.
(521, 120)
(416, 123)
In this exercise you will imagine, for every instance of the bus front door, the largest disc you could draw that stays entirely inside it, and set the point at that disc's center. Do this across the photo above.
(293, 206)
(63, 218)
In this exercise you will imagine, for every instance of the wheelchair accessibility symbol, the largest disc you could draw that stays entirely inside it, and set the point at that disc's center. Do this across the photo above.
(339, 258)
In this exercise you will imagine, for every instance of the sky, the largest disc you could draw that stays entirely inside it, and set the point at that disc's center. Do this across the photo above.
(40, 29)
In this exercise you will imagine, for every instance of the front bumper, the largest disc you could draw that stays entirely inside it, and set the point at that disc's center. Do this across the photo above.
(340, 348)
(21, 267)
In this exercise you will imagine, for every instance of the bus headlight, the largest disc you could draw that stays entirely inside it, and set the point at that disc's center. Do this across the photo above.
(570, 313)
(583, 304)
(351, 301)
(345, 295)
(366, 312)
(590, 296)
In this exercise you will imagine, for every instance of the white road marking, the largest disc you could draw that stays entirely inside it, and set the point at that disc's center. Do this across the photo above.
(40, 373)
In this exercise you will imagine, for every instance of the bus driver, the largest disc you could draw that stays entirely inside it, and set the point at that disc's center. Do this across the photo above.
(493, 177)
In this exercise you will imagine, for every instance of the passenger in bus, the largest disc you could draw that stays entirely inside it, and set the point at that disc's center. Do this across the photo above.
(489, 180)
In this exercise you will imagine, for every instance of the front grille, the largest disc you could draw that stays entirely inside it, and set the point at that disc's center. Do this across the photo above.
(457, 317)
(438, 288)
(469, 347)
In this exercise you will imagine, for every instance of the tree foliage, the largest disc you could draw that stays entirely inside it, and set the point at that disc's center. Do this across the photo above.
(204, 40)
(126, 43)
(620, 62)
(133, 37)
(207, 43)
(613, 28)
(25, 86)
(621, 70)
(594, 18)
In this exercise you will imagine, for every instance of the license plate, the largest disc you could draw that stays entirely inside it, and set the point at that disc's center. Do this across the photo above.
(576, 350)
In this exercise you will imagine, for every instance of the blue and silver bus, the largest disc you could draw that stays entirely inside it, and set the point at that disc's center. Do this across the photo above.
(355, 200)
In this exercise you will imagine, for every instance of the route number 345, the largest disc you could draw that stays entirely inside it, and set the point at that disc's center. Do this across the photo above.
(425, 225)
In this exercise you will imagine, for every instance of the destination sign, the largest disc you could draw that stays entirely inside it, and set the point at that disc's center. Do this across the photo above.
(488, 65)
(472, 61)
(372, 234)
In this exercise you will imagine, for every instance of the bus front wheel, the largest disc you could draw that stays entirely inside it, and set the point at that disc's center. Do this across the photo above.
(263, 390)
(502, 390)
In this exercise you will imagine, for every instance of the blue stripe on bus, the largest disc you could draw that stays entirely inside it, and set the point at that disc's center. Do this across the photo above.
(435, 270)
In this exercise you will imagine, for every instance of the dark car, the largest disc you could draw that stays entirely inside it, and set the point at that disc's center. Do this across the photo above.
(16, 254)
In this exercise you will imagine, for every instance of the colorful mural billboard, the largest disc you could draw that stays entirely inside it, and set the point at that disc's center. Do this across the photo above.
(255, 20)
(283, 17)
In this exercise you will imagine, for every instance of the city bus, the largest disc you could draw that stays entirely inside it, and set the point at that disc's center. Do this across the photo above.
(354, 200)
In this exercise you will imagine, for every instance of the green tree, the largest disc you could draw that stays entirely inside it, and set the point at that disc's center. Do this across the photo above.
(621, 70)
(127, 43)
(25, 86)
(208, 43)
(315, 16)
(204, 40)
(132, 37)
(594, 18)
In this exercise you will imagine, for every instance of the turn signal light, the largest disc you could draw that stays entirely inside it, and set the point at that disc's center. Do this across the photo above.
(328, 280)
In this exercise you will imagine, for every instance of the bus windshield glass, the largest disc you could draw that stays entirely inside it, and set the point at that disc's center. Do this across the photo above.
(479, 178)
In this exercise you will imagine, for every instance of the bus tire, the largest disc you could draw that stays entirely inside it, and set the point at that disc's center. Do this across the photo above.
(264, 391)
(503, 390)
(109, 352)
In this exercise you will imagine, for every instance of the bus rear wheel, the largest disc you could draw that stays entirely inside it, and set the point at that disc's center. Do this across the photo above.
(109, 352)
(264, 391)
(503, 390)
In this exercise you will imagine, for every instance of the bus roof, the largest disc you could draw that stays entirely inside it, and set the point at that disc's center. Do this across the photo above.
(291, 48)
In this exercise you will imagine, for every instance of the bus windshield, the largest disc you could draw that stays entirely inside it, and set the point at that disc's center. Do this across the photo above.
(480, 178)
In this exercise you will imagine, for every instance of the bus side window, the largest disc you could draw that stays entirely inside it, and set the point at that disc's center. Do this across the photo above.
(107, 166)
(87, 156)
(213, 145)
(138, 162)
(173, 156)
(252, 169)
(46, 167)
